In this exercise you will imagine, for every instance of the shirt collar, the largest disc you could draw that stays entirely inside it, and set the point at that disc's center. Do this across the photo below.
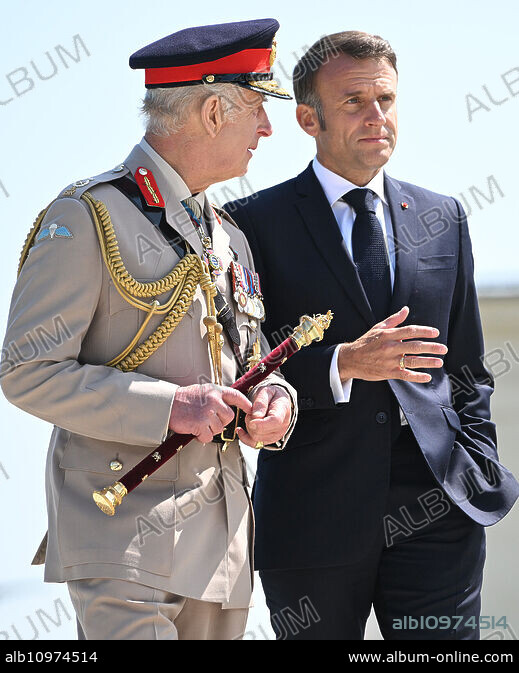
(174, 180)
(335, 186)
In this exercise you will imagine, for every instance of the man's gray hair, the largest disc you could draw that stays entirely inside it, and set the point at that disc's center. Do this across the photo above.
(167, 109)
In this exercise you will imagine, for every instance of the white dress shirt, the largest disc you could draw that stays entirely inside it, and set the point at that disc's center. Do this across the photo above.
(335, 187)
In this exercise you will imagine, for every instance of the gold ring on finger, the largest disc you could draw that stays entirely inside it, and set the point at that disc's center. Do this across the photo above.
(402, 363)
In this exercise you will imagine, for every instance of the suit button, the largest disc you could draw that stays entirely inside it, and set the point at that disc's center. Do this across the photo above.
(381, 417)
(310, 403)
(116, 465)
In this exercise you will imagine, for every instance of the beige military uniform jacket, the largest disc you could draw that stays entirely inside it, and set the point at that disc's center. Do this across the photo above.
(188, 528)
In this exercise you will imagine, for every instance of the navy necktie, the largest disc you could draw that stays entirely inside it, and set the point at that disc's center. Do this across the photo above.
(369, 251)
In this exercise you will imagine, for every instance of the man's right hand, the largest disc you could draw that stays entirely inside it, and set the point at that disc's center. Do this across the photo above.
(204, 410)
(376, 355)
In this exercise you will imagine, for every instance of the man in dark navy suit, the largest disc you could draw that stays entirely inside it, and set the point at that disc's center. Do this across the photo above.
(382, 494)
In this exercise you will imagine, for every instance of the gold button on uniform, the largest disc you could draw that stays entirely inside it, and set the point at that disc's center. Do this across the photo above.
(116, 465)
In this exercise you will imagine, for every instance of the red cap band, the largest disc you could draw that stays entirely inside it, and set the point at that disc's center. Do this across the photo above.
(248, 60)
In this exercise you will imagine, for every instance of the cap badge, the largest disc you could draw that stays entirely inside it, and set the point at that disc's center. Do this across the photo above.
(273, 53)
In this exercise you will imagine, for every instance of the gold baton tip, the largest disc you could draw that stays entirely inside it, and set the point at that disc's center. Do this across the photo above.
(110, 497)
(311, 329)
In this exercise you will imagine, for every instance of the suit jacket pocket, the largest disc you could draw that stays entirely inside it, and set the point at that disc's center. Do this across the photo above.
(434, 262)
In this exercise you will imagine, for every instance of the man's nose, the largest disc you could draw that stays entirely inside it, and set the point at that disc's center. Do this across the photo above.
(374, 114)
(264, 125)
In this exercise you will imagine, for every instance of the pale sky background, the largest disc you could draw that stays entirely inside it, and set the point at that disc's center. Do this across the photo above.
(84, 120)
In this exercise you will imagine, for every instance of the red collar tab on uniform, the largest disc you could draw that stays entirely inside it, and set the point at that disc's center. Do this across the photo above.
(248, 60)
(148, 186)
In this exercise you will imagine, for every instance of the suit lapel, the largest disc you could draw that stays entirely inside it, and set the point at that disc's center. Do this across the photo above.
(322, 226)
(405, 230)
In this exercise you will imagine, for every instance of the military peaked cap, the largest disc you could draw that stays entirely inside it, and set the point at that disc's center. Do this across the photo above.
(239, 53)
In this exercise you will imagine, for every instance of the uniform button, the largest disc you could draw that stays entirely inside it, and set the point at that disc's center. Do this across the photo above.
(116, 465)
(381, 417)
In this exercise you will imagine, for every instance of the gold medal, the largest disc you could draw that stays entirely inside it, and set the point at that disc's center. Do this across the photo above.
(242, 300)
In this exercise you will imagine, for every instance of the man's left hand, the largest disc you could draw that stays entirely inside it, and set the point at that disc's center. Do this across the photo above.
(269, 418)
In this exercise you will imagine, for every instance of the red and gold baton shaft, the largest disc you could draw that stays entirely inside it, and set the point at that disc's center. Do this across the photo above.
(308, 330)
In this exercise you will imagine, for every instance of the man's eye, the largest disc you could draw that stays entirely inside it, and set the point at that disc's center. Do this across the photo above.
(353, 100)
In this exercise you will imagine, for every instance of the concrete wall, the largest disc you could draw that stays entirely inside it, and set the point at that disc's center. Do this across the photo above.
(500, 318)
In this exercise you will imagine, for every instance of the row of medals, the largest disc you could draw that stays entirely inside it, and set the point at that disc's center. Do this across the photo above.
(247, 294)
(246, 286)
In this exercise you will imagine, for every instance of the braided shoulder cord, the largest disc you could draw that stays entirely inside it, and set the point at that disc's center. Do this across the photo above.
(183, 279)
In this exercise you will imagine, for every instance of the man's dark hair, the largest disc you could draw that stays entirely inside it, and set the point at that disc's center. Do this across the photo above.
(352, 43)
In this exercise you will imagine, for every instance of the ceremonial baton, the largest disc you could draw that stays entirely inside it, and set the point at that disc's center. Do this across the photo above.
(308, 330)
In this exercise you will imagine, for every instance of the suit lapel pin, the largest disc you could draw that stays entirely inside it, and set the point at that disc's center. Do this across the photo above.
(404, 205)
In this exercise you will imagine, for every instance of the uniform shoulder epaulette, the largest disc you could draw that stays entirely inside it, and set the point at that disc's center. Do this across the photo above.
(224, 215)
(75, 191)
(78, 188)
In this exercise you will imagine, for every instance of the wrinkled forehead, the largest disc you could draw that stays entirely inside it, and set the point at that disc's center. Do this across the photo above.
(246, 100)
(345, 72)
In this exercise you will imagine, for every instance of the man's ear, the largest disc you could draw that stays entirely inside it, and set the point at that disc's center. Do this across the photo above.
(211, 116)
(307, 119)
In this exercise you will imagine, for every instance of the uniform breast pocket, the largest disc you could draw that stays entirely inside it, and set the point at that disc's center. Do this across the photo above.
(123, 323)
(173, 357)
(116, 302)
(179, 349)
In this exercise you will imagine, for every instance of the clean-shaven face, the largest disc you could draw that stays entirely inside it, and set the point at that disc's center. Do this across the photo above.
(359, 105)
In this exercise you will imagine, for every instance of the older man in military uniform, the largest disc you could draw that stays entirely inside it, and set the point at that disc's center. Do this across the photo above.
(138, 278)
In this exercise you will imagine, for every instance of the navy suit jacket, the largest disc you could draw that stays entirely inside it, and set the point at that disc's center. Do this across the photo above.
(320, 502)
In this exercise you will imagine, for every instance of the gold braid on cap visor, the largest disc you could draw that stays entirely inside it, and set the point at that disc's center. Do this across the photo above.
(268, 85)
